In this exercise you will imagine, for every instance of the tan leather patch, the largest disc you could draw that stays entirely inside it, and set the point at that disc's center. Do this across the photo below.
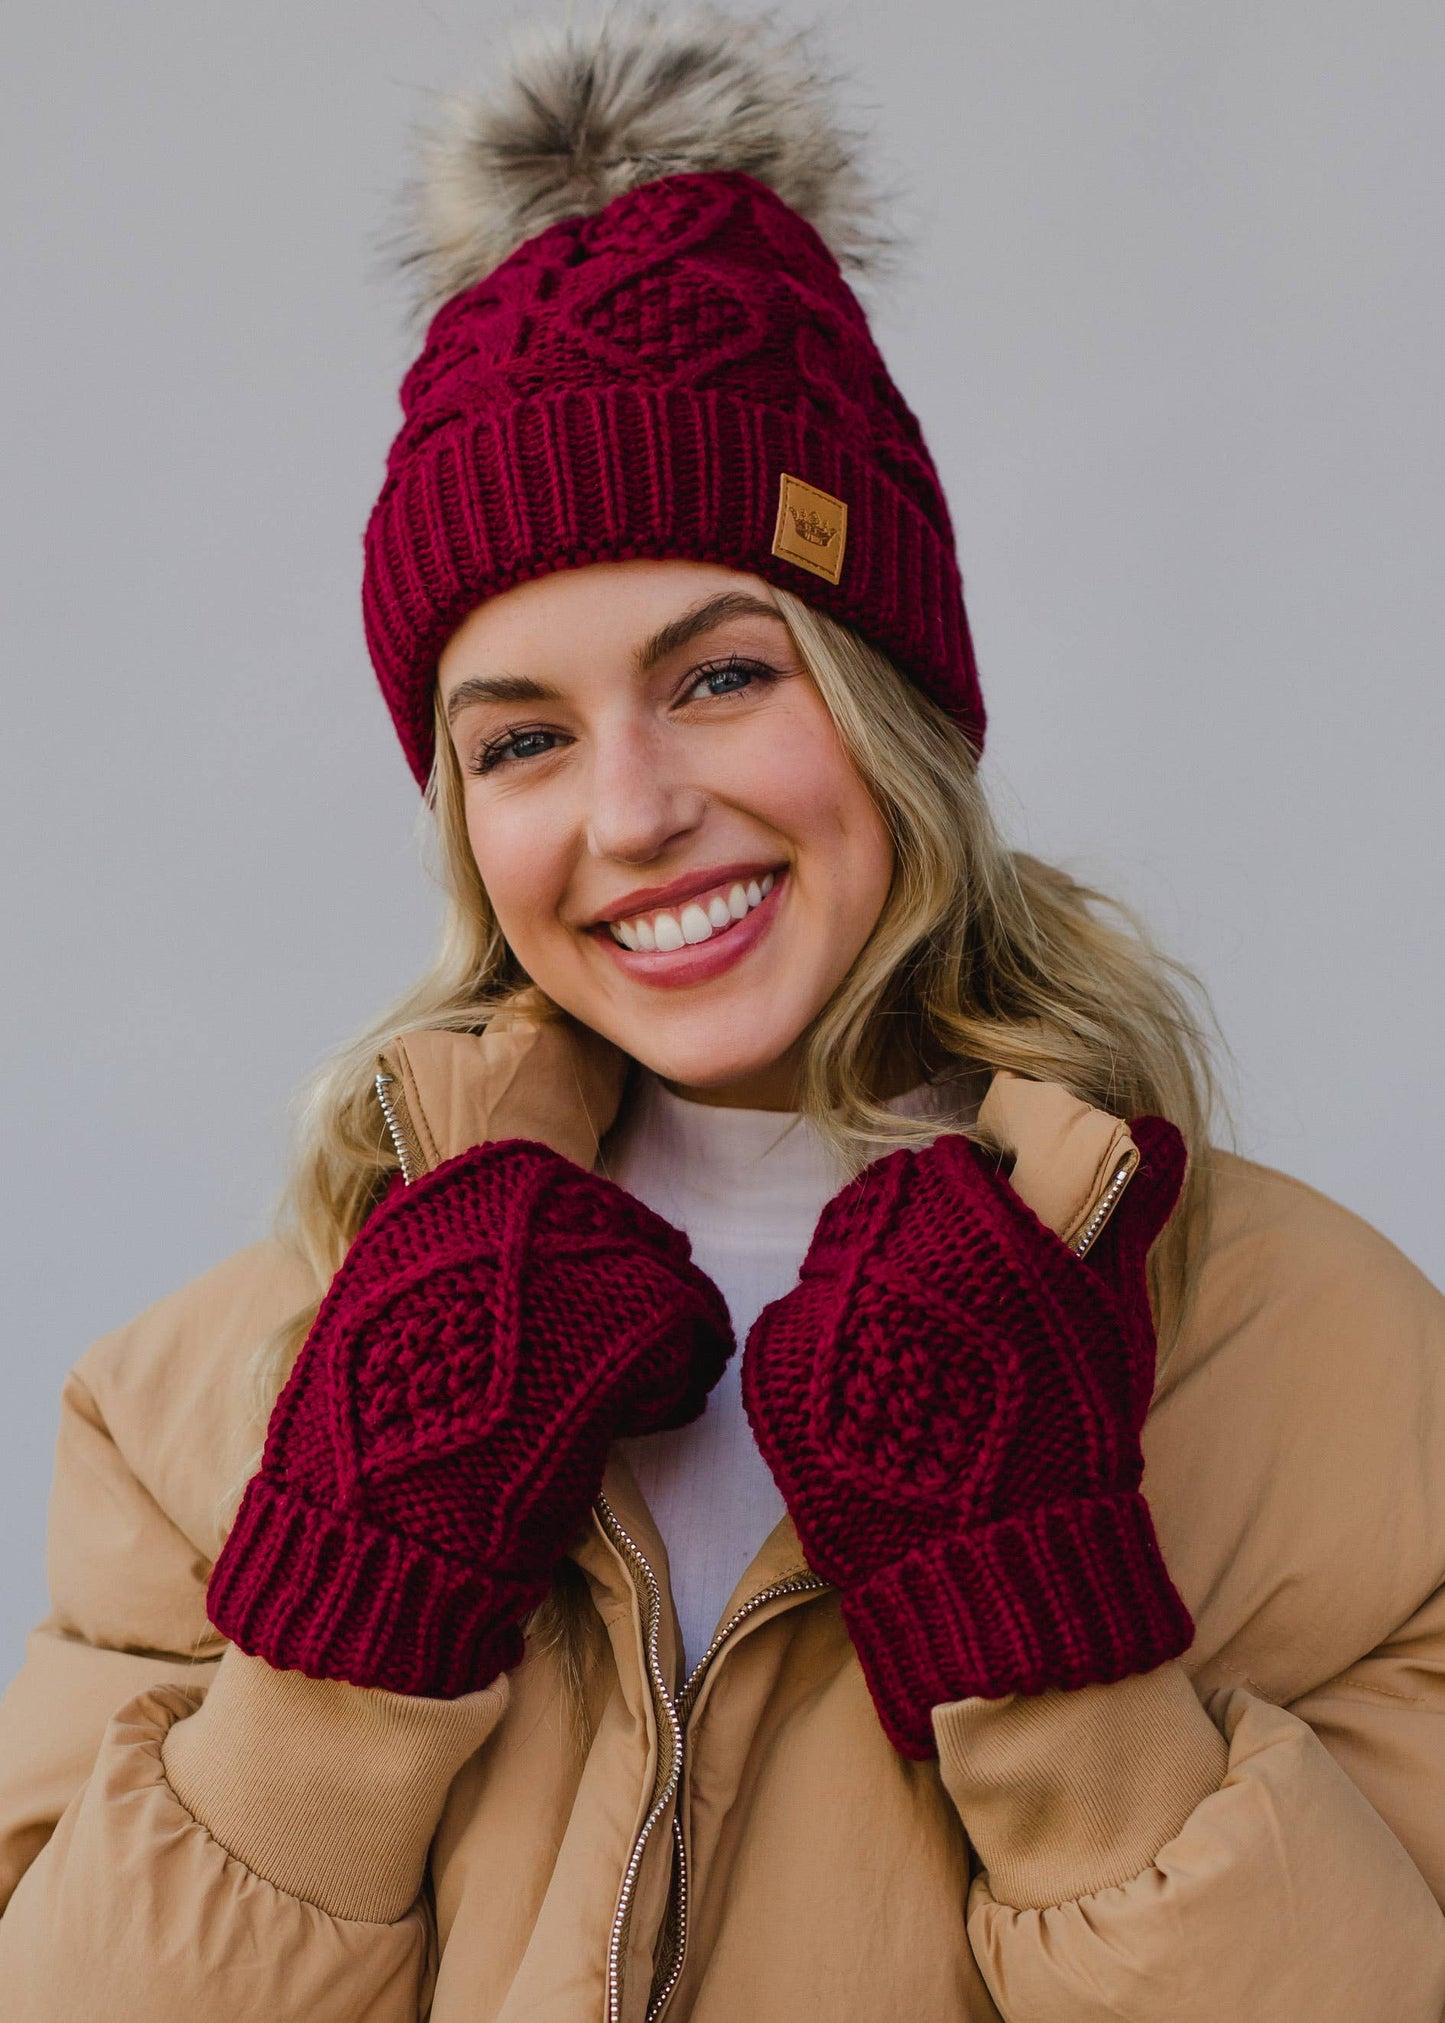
(812, 528)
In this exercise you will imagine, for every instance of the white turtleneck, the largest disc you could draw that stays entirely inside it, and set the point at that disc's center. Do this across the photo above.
(748, 1187)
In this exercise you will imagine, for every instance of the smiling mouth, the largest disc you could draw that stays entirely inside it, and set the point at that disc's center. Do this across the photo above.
(665, 929)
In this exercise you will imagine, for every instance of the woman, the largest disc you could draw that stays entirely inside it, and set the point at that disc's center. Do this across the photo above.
(773, 1470)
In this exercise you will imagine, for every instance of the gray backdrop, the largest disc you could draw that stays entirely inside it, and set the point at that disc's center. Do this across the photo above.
(1175, 325)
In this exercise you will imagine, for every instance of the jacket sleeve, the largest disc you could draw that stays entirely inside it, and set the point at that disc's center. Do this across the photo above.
(1145, 1853)
(1263, 1834)
(183, 1829)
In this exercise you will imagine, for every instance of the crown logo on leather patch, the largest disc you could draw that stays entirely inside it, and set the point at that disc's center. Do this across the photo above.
(812, 528)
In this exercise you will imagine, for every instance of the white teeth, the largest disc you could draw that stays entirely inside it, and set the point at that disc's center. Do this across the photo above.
(668, 931)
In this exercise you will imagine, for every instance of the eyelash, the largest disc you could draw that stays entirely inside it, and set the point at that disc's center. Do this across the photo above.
(501, 750)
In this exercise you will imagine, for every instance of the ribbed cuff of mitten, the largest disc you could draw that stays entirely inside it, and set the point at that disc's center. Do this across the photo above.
(1071, 1594)
(325, 1593)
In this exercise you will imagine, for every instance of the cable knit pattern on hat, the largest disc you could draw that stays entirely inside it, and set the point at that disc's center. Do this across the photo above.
(951, 1403)
(635, 383)
(445, 1428)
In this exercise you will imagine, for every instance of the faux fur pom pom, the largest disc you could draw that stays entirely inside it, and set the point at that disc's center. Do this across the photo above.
(579, 115)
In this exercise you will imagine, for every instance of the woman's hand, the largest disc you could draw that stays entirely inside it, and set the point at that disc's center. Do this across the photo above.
(951, 1402)
(445, 1428)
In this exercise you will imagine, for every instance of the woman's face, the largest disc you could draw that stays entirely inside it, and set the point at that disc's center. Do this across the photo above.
(641, 744)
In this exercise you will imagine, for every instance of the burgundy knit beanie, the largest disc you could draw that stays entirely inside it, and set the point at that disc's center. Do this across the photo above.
(646, 346)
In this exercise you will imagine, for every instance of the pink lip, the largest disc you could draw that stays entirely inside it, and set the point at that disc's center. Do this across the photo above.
(702, 959)
(650, 898)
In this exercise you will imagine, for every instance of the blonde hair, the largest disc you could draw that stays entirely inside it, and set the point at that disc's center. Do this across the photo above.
(982, 958)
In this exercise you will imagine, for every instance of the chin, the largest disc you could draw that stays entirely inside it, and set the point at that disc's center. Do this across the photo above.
(704, 1066)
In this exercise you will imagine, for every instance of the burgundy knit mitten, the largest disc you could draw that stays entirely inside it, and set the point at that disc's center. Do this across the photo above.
(443, 1433)
(951, 1403)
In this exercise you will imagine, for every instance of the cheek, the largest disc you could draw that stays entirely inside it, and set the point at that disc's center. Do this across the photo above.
(518, 862)
(801, 779)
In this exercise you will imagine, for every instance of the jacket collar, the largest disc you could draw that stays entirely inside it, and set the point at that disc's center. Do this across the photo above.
(563, 1083)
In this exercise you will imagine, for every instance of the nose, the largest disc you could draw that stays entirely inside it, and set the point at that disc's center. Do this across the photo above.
(639, 800)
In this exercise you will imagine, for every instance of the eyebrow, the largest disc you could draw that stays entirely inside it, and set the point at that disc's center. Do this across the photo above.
(714, 611)
(497, 688)
(670, 638)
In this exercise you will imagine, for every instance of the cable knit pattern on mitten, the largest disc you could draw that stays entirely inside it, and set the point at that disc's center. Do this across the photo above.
(951, 1402)
(445, 1428)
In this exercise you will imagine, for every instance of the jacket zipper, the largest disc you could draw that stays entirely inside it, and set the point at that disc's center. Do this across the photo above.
(1107, 1203)
(399, 1125)
(675, 1915)
(668, 1729)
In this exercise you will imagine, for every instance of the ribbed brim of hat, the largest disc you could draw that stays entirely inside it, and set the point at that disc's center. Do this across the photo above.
(605, 473)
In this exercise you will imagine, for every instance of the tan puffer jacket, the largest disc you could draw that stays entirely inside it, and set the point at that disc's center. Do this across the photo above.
(1254, 1831)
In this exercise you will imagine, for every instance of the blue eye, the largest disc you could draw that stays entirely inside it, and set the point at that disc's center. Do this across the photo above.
(507, 747)
(753, 670)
